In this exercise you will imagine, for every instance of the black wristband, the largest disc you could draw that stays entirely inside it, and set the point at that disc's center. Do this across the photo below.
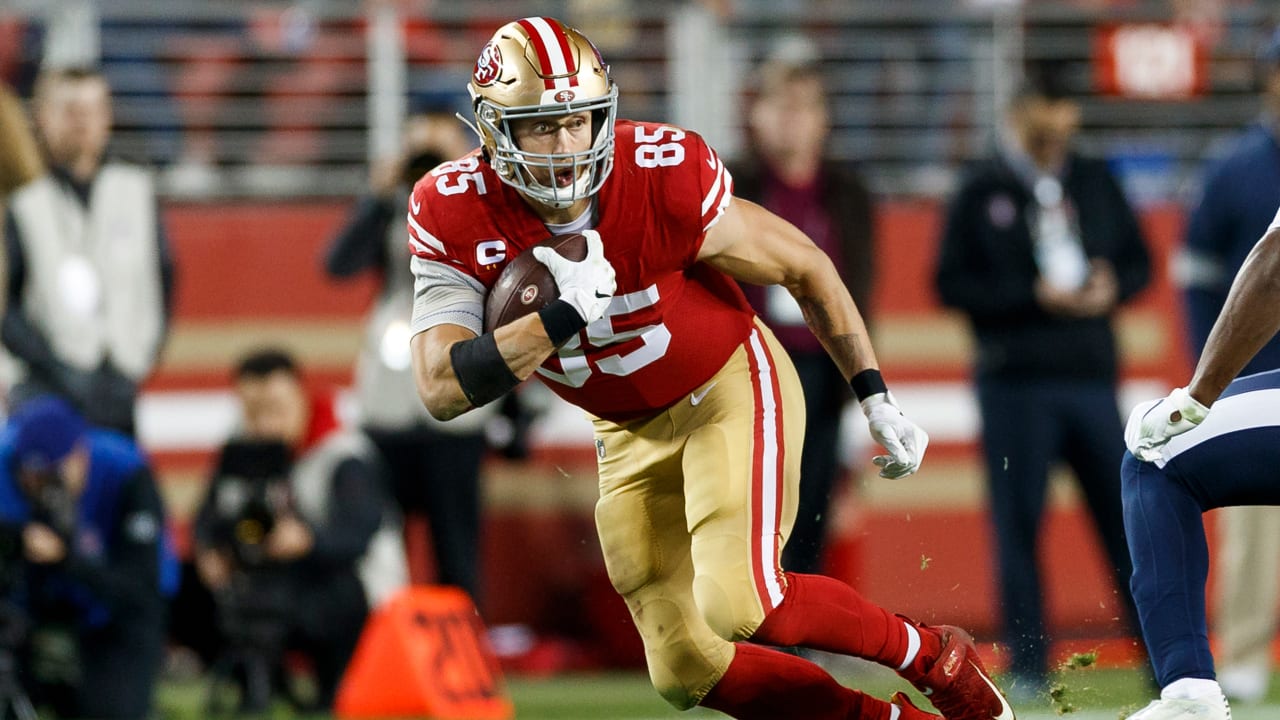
(560, 321)
(867, 383)
(481, 371)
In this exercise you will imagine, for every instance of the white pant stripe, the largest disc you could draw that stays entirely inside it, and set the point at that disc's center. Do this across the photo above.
(769, 479)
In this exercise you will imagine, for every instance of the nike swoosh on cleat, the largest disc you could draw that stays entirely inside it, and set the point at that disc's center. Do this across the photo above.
(1006, 712)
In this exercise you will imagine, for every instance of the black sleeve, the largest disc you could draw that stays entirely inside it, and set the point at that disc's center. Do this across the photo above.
(21, 337)
(968, 280)
(1132, 261)
(355, 512)
(204, 528)
(360, 244)
(129, 579)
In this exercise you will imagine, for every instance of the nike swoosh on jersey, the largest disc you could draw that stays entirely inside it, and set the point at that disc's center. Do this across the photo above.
(413, 203)
(1006, 712)
(695, 398)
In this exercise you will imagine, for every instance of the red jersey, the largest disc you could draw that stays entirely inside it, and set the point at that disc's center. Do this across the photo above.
(673, 321)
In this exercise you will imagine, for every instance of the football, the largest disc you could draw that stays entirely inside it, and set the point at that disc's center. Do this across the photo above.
(525, 285)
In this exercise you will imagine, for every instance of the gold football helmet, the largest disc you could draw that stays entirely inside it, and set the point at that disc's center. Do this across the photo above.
(539, 67)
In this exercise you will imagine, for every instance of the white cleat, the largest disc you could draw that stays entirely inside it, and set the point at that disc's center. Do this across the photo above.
(1215, 708)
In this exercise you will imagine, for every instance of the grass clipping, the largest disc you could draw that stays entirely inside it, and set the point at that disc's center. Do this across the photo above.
(1059, 692)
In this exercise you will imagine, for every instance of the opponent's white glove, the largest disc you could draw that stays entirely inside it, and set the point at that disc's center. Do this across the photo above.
(1152, 424)
(904, 440)
(587, 285)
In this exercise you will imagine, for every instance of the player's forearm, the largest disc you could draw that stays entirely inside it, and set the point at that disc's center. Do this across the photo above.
(833, 317)
(453, 378)
(438, 387)
(524, 345)
(1247, 322)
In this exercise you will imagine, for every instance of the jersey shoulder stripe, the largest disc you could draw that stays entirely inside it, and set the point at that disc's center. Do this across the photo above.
(453, 207)
(422, 242)
(718, 196)
(683, 163)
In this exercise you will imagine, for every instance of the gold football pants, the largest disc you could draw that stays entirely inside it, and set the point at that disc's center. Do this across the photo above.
(695, 505)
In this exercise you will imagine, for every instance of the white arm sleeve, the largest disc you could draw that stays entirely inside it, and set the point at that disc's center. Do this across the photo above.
(444, 295)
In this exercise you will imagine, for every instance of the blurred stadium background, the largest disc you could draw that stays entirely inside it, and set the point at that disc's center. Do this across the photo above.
(261, 117)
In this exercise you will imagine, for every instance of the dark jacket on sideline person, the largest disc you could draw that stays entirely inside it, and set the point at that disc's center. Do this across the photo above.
(987, 269)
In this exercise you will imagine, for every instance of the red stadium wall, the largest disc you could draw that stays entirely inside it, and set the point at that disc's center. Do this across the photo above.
(250, 274)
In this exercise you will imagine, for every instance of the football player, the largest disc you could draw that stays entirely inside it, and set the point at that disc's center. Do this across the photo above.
(698, 414)
(1184, 460)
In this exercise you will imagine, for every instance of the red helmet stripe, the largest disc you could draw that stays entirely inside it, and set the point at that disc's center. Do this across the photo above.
(539, 47)
(567, 52)
(551, 45)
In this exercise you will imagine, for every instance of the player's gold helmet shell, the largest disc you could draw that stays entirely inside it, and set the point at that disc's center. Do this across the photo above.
(539, 67)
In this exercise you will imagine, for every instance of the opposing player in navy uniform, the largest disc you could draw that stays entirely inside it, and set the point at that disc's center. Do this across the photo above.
(698, 413)
(1210, 444)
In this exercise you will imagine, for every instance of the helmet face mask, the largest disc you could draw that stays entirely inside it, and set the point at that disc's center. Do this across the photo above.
(539, 68)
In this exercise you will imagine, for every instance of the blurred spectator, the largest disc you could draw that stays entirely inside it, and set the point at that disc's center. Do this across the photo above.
(300, 545)
(1238, 201)
(433, 466)
(90, 277)
(788, 174)
(96, 566)
(1040, 247)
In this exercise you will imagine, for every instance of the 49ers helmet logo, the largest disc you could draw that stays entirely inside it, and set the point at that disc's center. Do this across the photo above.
(488, 66)
(564, 96)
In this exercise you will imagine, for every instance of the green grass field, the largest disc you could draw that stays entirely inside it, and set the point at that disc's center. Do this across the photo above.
(1085, 694)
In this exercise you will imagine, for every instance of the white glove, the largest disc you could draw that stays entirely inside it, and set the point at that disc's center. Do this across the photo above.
(587, 285)
(1152, 424)
(904, 440)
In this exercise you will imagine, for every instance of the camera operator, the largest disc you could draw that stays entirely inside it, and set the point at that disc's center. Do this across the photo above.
(97, 560)
(433, 467)
(329, 533)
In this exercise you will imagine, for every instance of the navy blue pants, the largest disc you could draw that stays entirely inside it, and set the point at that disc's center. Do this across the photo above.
(1233, 458)
(1028, 425)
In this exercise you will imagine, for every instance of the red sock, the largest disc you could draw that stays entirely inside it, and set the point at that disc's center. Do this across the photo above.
(825, 614)
(765, 684)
